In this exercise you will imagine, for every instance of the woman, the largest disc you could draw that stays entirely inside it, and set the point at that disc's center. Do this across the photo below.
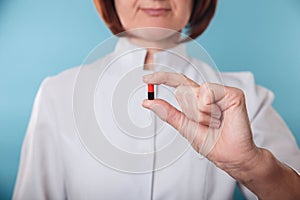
(55, 165)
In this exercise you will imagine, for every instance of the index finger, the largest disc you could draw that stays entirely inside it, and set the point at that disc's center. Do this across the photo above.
(168, 78)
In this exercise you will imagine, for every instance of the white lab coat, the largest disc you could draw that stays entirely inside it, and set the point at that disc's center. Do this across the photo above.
(55, 165)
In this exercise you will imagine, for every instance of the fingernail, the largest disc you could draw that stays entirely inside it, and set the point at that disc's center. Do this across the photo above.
(147, 78)
(146, 103)
(216, 114)
(214, 123)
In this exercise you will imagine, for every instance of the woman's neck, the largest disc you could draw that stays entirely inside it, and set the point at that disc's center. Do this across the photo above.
(159, 44)
(153, 40)
(149, 59)
(154, 46)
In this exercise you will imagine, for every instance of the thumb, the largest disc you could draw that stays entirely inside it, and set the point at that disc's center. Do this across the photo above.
(188, 128)
(164, 111)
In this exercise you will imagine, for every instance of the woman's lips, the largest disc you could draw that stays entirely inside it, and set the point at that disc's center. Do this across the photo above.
(156, 11)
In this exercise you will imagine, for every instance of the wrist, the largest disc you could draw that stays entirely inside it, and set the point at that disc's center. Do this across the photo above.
(241, 166)
(262, 166)
(258, 165)
(263, 174)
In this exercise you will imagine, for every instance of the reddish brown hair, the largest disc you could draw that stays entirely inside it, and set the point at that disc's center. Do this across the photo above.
(203, 12)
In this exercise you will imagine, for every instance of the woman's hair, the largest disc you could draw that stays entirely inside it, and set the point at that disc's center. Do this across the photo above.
(203, 12)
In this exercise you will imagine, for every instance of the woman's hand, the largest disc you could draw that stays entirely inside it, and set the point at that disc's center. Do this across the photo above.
(214, 120)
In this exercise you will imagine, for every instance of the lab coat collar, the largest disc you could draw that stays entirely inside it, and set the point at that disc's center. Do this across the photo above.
(173, 58)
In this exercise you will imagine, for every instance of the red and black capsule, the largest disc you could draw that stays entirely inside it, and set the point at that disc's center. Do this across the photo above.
(150, 92)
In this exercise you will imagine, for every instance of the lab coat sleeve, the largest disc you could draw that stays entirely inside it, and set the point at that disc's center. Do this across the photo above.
(271, 132)
(40, 174)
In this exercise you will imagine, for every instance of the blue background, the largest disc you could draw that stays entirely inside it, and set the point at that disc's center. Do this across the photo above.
(39, 38)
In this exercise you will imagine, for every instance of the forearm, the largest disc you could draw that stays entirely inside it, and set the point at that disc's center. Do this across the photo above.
(268, 178)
